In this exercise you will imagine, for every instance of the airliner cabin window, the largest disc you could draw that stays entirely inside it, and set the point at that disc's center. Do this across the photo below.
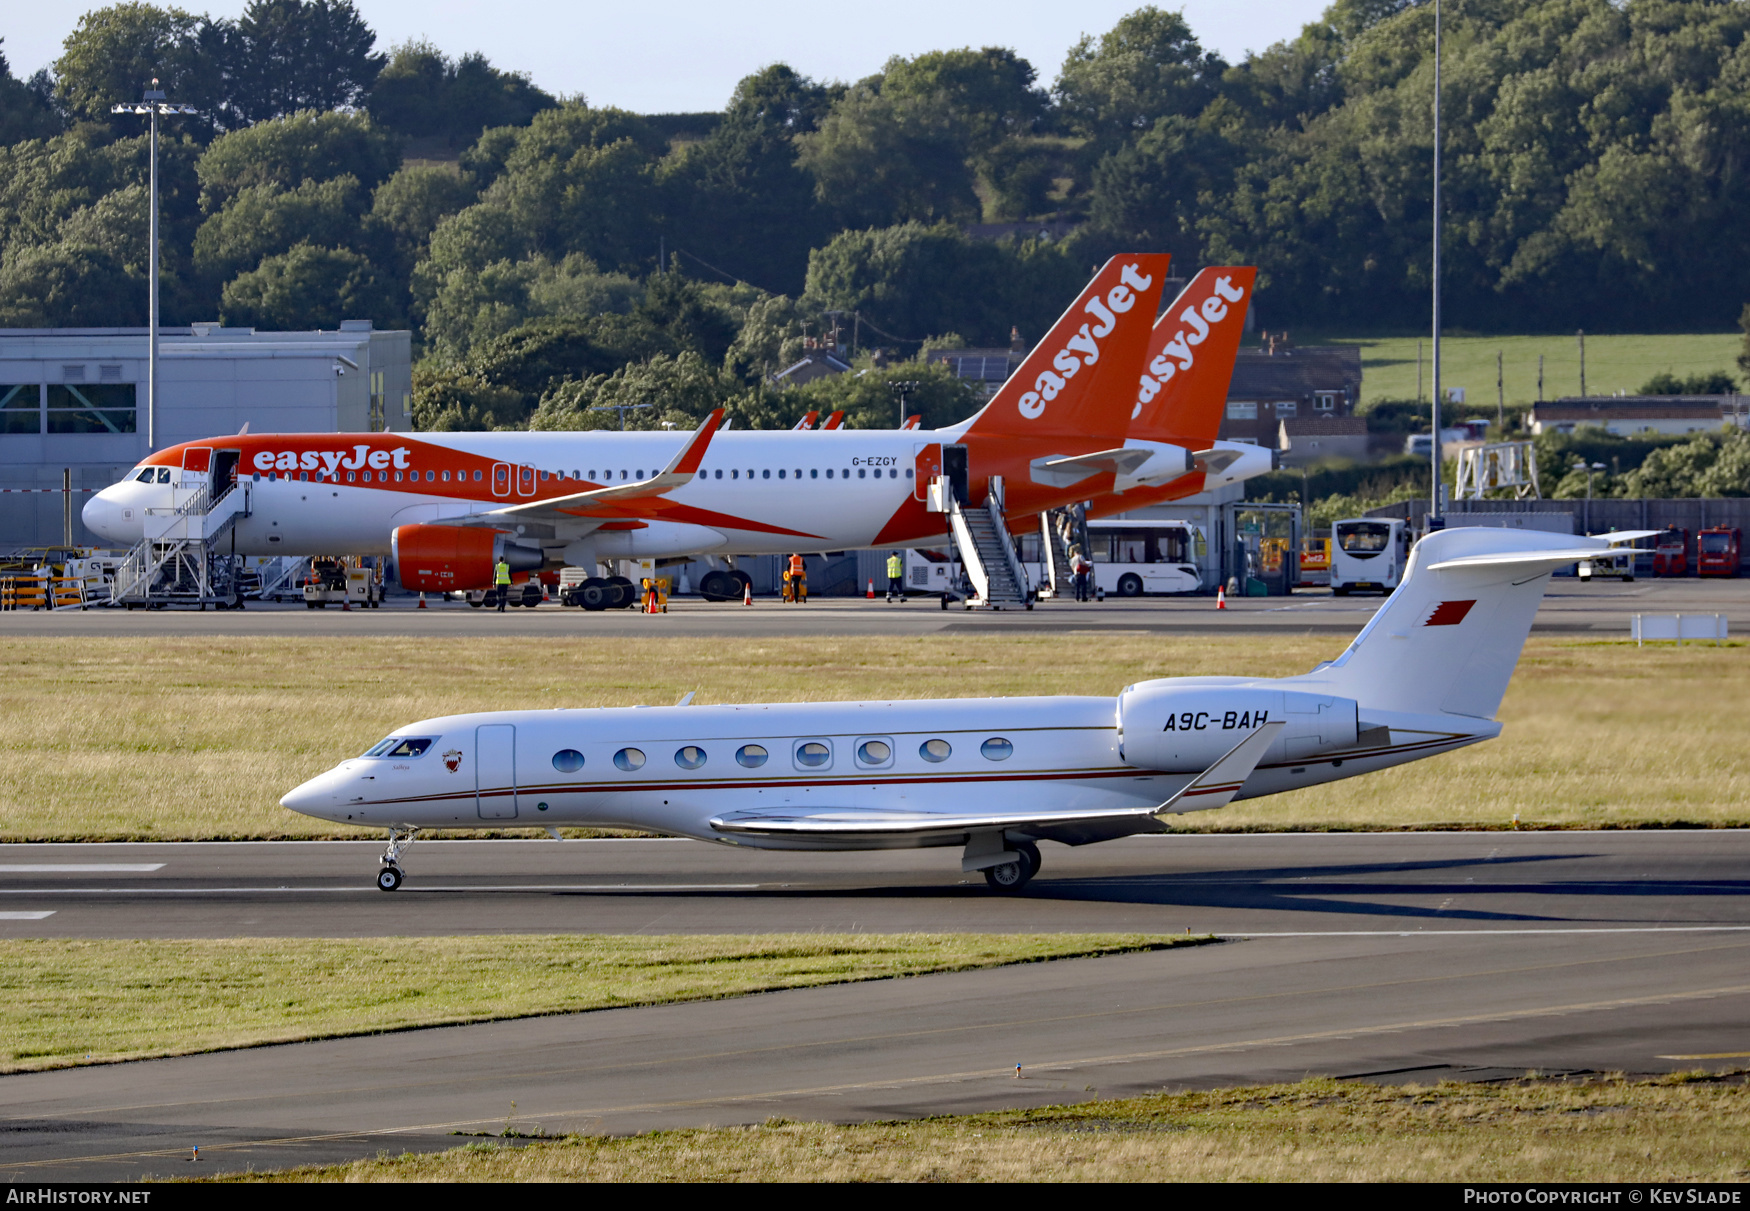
(629, 759)
(813, 754)
(751, 755)
(935, 750)
(997, 749)
(689, 757)
(568, 761)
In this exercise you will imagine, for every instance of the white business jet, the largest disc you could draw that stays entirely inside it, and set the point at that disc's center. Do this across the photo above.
(994, 776)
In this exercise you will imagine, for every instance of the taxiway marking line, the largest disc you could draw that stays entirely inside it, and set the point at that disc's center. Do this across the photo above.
(26, 916)
(76, 868)
(1005, 1071)
(1485, 933)
(1709, 1055)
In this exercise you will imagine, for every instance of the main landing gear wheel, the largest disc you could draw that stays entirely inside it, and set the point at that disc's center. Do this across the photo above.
(1013, 876)
(389, 878)
(718, 585)
(627, 593)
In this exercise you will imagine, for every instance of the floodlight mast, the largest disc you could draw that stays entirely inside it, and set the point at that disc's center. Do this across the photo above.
(152, 103)
(1435, 520)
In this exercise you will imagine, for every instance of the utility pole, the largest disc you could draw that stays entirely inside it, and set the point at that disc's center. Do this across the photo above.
(1500, 397)
(1540, 378)
(900, 391)
(152, 103)
(1581, 334)
(1435, 521)
(1418, 372)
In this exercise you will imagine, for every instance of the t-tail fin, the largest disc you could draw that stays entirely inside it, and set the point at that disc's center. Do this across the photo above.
(1191, 359)
(1078, 381)
(1447, 640)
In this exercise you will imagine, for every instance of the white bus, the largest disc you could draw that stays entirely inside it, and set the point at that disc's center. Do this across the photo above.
(1130, 558)
(1368, 553)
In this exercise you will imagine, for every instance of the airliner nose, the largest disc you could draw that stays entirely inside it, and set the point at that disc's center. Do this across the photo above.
(99, 515)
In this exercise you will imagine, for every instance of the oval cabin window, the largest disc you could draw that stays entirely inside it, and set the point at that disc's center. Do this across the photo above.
(689, 757)
(568, 761)
(813, 754)
(629, 759)
(751, 755)
(874, 752)
(935, 750)
(997, 749)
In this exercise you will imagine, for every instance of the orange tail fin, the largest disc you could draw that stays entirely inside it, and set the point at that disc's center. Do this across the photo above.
(1191, 359)
(1076, 382)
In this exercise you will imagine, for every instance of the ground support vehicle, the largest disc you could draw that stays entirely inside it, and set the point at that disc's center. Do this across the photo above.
(1368, 554)
(333, 582)
(1314, 567)
(1671, 554)
(1718, 550)
(1611, 567)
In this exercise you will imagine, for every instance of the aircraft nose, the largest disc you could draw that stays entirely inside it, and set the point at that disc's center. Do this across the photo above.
(99, 515)
(317, 797)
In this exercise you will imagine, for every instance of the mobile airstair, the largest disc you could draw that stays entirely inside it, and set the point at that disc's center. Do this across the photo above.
(991, 565)
(181, 560)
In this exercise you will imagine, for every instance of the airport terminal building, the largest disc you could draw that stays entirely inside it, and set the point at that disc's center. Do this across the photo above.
(73, 402)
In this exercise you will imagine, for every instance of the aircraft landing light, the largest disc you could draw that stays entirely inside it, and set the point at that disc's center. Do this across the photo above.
(76, 868)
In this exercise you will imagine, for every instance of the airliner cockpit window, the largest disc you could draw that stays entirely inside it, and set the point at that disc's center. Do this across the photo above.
(400, 746)
(163, 475)
(146, 476)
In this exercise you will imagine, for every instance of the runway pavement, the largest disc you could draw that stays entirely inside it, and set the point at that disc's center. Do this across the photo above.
(1392, 956)
(1570, 607)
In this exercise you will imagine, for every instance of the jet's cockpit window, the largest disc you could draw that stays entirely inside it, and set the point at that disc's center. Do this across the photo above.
(146, 476)
(400, 746)
(163, 475)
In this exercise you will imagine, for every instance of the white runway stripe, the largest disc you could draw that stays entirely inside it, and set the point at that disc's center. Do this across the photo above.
(1484, 933)
(26, 916)
(76, 868)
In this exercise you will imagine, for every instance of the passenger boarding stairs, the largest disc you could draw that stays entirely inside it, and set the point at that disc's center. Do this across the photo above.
(987, 553)
(1059, 529)
(176, 560)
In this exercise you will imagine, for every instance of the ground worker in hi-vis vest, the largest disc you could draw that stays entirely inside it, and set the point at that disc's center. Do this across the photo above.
(501, 577)
(895, 576)
(798, 580)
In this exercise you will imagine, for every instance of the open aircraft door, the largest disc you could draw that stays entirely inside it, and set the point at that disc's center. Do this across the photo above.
(928, 459)
(495, 771)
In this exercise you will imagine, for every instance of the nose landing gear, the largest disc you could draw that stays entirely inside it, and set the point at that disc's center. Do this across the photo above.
(400, 841)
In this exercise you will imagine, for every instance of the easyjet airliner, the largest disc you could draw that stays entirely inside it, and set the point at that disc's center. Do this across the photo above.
(449, 505)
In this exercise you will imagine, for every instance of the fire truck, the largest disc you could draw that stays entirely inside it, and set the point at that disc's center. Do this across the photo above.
(1671, 555)
(1717, 550)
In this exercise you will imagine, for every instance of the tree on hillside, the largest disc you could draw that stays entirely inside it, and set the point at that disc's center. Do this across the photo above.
(1147, 67)
(114, 54)
(308, 287)
(422, 92)
(26, 107)
(291, 55)
(287, 151)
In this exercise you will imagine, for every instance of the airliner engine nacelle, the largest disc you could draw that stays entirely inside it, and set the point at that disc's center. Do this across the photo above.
(1174, 727)
(444, 559)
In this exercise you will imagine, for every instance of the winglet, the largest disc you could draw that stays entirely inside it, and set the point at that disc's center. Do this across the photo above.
(1217, 785)
(807, 421)
(688, 460)
(834, 421)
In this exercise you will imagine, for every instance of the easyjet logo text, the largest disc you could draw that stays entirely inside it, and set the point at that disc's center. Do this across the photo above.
(330, 461)
(1177, 355)
(1083, 349)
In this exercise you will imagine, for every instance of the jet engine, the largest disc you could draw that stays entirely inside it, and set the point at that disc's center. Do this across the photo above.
(1180, 728)
(443, 559)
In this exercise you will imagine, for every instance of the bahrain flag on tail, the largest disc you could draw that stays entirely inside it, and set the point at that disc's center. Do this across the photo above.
(1077, 380)
(1191, 359)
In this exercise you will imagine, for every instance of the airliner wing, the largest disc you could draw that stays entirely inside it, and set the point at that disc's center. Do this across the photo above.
(678, 472)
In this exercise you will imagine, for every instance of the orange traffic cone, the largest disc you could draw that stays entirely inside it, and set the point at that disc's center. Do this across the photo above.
(871, 590)
(650, 602)
(345, 605)
(1220, 598)
(747, 593)
(422, 601)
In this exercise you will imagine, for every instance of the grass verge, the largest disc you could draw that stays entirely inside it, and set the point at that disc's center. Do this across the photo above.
(190, 739)
(1689, 1128)
(1614, 363)
(64, 1003)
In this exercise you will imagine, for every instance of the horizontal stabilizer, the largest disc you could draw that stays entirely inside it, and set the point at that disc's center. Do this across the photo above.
(1214, 462)
(1217, 785)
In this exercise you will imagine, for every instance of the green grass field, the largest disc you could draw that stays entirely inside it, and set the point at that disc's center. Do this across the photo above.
(65, 1003)
(1686, 1128)
(193, 739)
(1613, 363)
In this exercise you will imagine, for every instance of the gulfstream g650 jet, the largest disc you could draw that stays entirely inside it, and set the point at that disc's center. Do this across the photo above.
(991, 776)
